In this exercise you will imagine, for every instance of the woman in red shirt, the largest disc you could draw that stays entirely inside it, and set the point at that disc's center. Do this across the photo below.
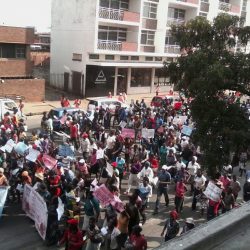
(137, 239)
(179, 195)
(72, 236)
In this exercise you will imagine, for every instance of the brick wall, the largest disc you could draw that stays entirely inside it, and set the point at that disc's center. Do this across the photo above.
(40, 58)
(32, 89)
(15, 67)
(149, 24)
(16, 35)
(131, 16)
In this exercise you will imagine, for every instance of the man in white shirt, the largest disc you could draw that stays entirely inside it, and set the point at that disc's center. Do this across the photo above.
(85, 144)
(147, 171)
(199, 184)
(110, 144)
(192, 167)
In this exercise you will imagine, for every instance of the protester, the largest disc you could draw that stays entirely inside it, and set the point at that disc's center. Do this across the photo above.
(189, 225)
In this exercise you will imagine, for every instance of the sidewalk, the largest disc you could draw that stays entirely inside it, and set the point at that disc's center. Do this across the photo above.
(37, 108)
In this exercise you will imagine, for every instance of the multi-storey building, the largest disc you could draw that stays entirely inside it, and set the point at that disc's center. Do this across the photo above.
(120, 45)
(16, 66)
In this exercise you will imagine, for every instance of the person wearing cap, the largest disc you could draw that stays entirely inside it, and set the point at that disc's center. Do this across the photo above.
(85, 145)
(189, 225)
(164, 178)
(172, 226)
(72, 237)
(82, 167)
(137, 239)
(3, 179)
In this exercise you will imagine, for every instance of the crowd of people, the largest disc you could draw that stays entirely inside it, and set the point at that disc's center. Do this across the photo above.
(166, 162)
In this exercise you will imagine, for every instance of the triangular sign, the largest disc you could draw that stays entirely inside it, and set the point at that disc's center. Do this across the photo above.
(101, 78)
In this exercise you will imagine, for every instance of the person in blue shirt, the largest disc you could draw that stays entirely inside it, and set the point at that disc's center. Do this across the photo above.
(120, 167)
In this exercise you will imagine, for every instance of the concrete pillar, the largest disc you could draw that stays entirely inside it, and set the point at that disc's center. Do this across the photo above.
(115, 83)
(129, 79)
(152, 80)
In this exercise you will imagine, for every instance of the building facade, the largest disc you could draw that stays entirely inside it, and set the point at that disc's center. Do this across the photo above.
(99, 46)
(16, 66)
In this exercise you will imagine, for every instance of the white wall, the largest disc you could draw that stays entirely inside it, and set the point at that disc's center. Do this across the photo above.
(72, 31)
(135, 6)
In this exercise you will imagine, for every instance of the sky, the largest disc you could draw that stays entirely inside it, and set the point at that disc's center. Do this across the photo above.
(22, 13)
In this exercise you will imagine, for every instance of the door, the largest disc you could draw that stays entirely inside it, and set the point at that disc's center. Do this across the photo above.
(66, 82)
(76, 83)
(122, 80)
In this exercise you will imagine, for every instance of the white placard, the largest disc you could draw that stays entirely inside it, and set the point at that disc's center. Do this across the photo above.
(213, 192)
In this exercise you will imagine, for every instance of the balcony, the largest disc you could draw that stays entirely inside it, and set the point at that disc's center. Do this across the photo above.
(119, 15)
(175, 21)
(189, 1)
(116, 46)
(172, 49)
(227, 7)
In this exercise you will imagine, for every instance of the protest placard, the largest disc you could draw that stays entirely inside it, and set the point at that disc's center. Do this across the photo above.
(103, 195)
(65, 150)
(33, 154)
(35, 207)
(21, 148)
(186, 130)
(122, 124)
(117, 204)
(99, 154)
(10, 144)
(3, 196)
(127, 132)
(213, 192)
(148, 133)
(110, 169)
(49, 161)
(60, 209)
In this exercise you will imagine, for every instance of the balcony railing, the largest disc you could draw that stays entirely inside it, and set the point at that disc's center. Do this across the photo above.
(108, 13)
(189, 1)
(227, 7)
(175, 21)
(173, 49)
(119, 15)
(116, 45)
(109, 45)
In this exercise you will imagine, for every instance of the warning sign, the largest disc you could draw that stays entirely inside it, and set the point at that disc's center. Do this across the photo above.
(101, 79)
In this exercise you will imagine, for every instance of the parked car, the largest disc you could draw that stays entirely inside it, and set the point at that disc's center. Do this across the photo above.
(111, 103)
(7, 105)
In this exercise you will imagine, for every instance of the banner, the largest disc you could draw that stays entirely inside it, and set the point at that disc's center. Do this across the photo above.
(35, 207)
(33, 154)
(127, 132)
(186, 130)
(49, 161)
(65, 150)
(148, 133)
(3, 196)
(213, 192)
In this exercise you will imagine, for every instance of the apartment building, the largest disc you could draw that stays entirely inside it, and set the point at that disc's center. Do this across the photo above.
(99, 46)
(16, 66)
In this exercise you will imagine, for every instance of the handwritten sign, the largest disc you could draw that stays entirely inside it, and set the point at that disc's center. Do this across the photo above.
(110, 169)
(49, 161)
(186, 130)
(103, 195)
(10, 144)
(213, 192)
(128, 133)
(148, 133)
(122, 124)
(33, 154)
(65, 150)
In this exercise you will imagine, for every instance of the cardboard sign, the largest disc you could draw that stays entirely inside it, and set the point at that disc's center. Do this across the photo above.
(35, 207)
(103, 195)
(60, 209)
(127, 132)
(33, 154)
(3, 196)
(148, 133)
(213, 192)
(122, 124)
(110, 169)
(186, 130)
(117, 204)
(65, 150)
(21, 148)
(10, 144)
(99, 154)
(49, 161)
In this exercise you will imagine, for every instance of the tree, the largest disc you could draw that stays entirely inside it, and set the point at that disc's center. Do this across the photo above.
(207, 71)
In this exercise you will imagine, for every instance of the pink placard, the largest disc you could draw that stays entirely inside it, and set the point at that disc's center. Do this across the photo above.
(49, 161)
(127, 132)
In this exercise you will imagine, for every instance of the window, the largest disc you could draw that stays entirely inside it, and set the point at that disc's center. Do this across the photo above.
(150, 10)
(244, 5)
(112, 33)
(205, 1)
(109, 57)
(204, 14)
(147, 37)
(149, 58)
(141, 77)
(20, 51)
(123, 58)
(170, 40)
(135, 58)
(93, 56)
(77, 57)
(115, 4)
(176, 13)
(158, 59)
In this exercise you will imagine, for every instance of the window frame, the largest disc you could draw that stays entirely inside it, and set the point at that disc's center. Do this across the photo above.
(150, 13)
(150, 36)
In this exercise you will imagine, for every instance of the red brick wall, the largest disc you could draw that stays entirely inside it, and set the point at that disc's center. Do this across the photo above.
(131, 16)
(15, 67)
(149, 24)
(16, 35)
(32, 89)
(40, 58)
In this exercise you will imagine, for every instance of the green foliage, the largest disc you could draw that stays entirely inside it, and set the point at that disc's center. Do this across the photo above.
(205, 72)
